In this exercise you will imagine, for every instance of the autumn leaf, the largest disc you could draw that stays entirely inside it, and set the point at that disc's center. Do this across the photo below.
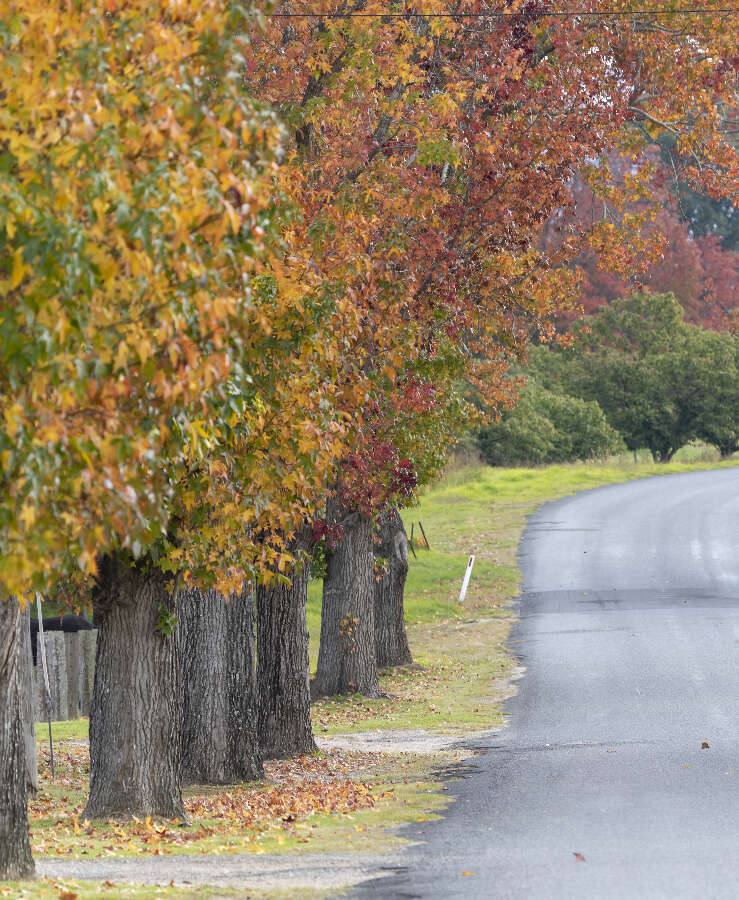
(578, 856)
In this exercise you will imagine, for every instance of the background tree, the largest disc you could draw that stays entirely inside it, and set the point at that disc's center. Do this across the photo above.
(690, 261)
(714, 358)
(547, 426)
(660, 381)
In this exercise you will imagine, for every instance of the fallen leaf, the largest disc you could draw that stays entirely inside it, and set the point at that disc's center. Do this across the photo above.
(578, 856)
(704, 745)
(467, 873)
(67, 895)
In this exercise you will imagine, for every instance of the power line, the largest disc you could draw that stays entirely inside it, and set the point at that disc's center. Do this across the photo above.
(503, 14)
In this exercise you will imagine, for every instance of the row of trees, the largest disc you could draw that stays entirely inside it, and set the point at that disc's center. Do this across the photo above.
(247, 258)
(635, 375)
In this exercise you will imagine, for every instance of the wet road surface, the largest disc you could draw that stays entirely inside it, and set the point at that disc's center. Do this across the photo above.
(600, 786)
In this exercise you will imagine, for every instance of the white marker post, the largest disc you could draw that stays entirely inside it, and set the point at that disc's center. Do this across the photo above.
(467, 574)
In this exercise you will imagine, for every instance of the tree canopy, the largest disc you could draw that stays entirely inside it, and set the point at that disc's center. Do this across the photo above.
(236, 249)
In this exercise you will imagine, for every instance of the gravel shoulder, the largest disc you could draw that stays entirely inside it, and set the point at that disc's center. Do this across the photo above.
(319, 871)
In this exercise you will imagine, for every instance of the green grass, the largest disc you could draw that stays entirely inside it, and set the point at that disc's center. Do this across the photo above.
(454, 688)
(74, 730)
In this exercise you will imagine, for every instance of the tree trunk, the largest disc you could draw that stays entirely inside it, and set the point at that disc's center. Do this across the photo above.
(137, 704)
(391, 640)
(27, 710)
(346, 657)
(283, 667)
(219, 729)
(15, 849)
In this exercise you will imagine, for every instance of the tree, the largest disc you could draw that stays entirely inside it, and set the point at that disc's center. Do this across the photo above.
(135, 760)
(135, 205)
(346, 658)
(15, 848)
(547, 426)
(283, 665)
(219, 731)
(391, 550)
(659, 381)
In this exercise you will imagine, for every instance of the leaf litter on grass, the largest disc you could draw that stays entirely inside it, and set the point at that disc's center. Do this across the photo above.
(223, 819)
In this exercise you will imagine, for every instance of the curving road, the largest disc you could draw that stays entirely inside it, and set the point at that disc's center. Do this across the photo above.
(629, 632)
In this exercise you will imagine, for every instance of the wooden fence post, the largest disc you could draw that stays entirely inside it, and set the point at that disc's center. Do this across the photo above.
(72, 661)
(57, 664)
(88, 646)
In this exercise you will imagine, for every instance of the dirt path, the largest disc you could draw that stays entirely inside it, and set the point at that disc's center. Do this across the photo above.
(396, 741)
(321, 871)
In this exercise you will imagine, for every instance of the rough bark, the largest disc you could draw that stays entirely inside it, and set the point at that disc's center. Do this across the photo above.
(283, 667)
(15, 850)
(346, 657)
(27, 702)
(219, 729)
(662, 454)
(137, 702)
(391, 640)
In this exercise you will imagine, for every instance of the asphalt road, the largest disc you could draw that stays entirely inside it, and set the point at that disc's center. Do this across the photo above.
(629, 632)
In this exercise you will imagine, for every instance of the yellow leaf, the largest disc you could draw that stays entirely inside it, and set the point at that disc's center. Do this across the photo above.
(233, 218)
(19, 269)
(28, 515)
